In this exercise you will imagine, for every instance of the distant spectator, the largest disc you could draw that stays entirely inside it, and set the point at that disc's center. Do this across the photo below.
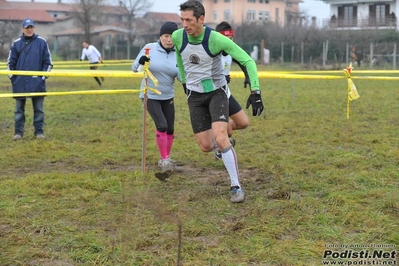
(30, 53)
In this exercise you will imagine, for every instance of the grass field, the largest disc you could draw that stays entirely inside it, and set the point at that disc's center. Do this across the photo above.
(312, 183)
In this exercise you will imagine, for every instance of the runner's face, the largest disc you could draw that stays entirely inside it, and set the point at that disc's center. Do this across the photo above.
(166, 40)
(191, 24)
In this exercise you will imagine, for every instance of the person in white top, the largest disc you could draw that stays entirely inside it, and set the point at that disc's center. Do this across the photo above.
(94, 57)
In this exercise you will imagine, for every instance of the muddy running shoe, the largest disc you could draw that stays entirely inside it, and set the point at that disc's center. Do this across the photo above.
(166, 165)
(237, 195)
(160, 162)
(218, 155)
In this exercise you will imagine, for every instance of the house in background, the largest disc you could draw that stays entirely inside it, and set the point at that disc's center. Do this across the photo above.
(49, 17)
(57, 23)
(282, 12)
(44, 22)
(114, 35)
(150, 24)
(369, 14)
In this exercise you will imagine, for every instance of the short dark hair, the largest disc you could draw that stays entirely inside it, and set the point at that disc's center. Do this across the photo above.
(195, 6)
(224, 25)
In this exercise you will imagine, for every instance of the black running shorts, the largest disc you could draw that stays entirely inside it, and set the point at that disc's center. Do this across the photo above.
(234, 106)
(206, 108)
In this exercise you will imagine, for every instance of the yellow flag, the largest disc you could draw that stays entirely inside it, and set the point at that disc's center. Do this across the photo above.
(353, 95)
(152, 77)
(352, 91)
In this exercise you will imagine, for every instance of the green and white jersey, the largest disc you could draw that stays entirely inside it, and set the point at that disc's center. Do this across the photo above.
(199, 60)
(203, 70)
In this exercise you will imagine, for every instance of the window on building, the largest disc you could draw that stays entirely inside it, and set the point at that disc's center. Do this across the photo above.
(227, 1)
(215, 15)
(379, 15)
(251, 15)
(121, 39)
(107, 41)
(251, 1)
(226, 14)
(266, 15)
(260, 1)
(215, 1)
(348, 13)
(347, 16)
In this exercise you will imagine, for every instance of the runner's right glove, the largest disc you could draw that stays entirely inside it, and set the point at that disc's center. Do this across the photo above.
(255, 100)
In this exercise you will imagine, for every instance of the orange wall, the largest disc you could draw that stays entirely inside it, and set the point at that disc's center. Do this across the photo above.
(239, 9)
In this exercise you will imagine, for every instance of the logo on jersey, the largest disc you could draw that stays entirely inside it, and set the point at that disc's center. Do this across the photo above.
(194, 59)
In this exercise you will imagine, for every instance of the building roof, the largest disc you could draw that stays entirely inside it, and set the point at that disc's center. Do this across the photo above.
(4, 4)
(41, 6)
(21, 14)
(343, 2)
(57, 7)
(96, 29)
(162, 17)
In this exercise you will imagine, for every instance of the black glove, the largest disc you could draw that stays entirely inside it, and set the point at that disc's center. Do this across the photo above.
(227, 78)
(102, 62)
(184, 88)
(143, 59)
(247, 82)
(80, 60)
(255, 100)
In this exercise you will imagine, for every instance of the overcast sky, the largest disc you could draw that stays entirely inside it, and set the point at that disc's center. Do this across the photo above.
(316, 8)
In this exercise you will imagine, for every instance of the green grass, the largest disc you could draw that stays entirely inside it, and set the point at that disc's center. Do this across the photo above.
(79, 197)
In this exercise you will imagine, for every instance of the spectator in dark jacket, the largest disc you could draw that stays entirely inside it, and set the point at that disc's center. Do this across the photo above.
(29, 53)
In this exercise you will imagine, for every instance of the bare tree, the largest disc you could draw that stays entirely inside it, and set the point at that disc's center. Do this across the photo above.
(133, 8)
(87, 14)
(10, 33)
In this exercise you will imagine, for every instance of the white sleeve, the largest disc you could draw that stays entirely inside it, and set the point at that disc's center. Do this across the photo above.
(96, 51)
(83, 54)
